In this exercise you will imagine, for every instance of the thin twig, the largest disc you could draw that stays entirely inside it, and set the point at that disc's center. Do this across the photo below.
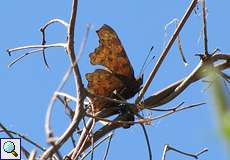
(84, 41)
(147, 141)
(43, 50)
(175, 20)
(48, 129)
(43, 29)
(108, 146)
(205, 28)
(181, 50)
(57, 93)
(22, 56)
(56, 20)
(166, 110)
(92, 146)
(67, 108)
(165, 51)
(178, 110)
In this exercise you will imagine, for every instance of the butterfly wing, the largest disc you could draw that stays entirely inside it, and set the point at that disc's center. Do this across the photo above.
(111, 53)
(102, 83)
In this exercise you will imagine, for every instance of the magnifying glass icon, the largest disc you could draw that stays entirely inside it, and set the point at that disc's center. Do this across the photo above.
(9, 147)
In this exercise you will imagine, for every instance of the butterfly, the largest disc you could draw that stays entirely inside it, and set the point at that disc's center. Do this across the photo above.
(116, 80)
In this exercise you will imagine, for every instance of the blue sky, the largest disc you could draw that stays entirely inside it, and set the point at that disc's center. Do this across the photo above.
(27, 87)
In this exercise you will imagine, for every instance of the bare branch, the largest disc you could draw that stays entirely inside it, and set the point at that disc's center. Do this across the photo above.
(117, 123)
(165, 51)
(173, 90)
(79, 110)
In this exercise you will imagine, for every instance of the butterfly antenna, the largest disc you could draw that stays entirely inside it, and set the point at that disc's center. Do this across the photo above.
(145, 62)
(148, 64)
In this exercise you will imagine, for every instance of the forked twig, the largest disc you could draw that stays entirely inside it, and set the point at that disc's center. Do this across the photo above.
(168, 148)
(43, 29)
(177, 110)
(55, 45)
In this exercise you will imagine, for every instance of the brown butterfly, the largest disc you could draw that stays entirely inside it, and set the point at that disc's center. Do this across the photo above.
(117, 75)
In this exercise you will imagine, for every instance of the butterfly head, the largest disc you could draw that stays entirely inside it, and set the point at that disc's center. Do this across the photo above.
(139, 80)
